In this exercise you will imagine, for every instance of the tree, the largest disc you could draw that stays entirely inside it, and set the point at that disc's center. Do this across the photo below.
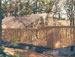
(11, 8)
(49, 6)
(1, 50)
(4, 7)
(26, 8)
(0, 23)
(38, 6)
(42, 5)
(69, 6)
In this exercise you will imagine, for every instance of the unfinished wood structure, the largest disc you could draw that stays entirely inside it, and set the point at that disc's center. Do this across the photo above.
(49, 37)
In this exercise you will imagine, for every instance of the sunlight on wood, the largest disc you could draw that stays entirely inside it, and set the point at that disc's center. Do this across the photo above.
(57, 45)
(3, 26)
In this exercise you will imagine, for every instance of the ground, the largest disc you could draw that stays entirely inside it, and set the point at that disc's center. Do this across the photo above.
(40, 52)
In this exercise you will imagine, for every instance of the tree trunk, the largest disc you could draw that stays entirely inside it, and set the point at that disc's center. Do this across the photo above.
(1, 50)
(36, 6)
(0, 24)
(0, 29)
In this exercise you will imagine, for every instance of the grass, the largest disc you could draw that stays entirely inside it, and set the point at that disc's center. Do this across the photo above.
(14, 41)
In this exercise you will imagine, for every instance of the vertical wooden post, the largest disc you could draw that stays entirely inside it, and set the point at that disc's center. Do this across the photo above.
(72, 21)
(72, 47)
